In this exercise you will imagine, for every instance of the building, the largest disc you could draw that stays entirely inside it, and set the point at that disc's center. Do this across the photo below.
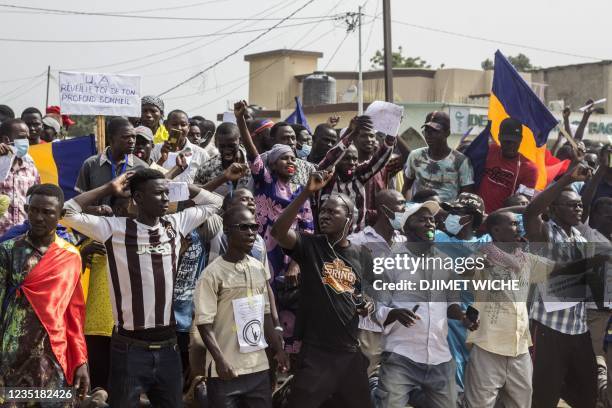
(276, 77)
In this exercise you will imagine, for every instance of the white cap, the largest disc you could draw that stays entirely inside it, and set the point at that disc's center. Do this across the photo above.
(412, 208)
(52, 123)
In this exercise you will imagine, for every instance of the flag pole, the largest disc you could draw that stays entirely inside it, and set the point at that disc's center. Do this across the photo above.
(100, 133)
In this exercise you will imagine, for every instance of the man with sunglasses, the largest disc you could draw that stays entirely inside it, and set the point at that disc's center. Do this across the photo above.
(227, 141)
(563, 362)
(231, 299)
(333, 282)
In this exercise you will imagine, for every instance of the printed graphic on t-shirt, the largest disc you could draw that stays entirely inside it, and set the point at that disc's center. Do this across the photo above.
(500, 176)
(338, 276)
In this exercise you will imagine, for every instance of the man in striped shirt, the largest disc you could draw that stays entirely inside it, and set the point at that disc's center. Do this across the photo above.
(563, 360)
(350, 178)
(142, 255)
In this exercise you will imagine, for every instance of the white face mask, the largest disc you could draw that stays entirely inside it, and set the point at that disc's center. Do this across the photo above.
(453, 225)
(21, 147)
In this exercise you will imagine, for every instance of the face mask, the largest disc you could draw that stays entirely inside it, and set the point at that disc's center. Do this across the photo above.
(21, 147)
(398, 220)
(304, 151)
(452, 224)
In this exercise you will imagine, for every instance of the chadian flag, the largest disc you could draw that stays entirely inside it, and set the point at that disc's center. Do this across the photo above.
(511, 96)
(298, 117)
(59, 163)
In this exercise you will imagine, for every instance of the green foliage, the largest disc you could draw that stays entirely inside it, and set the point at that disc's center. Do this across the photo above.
(398, 60)
(520, 61)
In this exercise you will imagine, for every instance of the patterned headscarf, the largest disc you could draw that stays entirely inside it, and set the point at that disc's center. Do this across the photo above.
(153, 100)
(277, 151)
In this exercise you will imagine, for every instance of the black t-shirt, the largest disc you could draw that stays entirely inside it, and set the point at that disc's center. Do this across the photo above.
(327, 316)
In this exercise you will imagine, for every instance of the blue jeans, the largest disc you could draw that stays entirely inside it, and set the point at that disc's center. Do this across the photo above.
(401, 378)
(137, 369)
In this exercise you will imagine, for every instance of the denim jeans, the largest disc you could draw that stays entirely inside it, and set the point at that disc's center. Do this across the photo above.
(401, 379)
(137, 369)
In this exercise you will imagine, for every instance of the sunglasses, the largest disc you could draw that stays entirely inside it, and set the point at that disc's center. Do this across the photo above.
(245, 227)
(577, 204)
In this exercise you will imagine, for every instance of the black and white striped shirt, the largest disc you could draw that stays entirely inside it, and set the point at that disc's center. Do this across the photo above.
(142, 259)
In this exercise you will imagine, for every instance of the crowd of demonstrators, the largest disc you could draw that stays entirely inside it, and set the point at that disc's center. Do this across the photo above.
(235, 265)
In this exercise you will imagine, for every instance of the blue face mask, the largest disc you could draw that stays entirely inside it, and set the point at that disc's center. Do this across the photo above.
(304, 151)
(398, 220)
(21, 147)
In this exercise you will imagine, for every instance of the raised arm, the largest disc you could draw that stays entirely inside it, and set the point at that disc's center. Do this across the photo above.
(590, 188)
(334, 154)
(247, 140)
(583, 122)
(281, 230)
(234, 172)
(119, 187)
(534, 226)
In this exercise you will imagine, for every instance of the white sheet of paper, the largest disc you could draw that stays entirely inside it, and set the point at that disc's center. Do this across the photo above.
(171, 162)
(591, 104)
(6, 163)
(229, 117)
(366, 323)
(178, 191)
(553, 302)
(386, 116)
(249, 318)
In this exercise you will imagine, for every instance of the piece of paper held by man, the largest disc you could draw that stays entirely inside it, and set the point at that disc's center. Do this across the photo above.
(386, 117)
(6, 163)
(178, 191)
(171, 161)
(562, 292)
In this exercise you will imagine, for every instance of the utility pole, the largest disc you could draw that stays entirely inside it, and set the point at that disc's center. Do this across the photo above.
(388, 50)
(48, 80)
(360, 80)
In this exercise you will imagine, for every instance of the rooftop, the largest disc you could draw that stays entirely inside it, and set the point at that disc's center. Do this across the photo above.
(283, 52)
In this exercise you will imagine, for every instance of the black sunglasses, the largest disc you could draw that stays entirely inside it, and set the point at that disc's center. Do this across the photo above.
(245, 227)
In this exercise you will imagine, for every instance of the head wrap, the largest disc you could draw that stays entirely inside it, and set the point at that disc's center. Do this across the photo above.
(153, 100)
(277, 151)
(262, 125)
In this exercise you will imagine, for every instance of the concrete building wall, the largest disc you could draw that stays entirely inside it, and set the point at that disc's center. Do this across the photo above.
(273, 84)
(576, 83)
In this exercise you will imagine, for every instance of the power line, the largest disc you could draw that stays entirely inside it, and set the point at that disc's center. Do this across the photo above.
(96, 14)
(146, 39)
(492, 41)
(157, 53)
(237, 50)
(336, 51)
(36, 83)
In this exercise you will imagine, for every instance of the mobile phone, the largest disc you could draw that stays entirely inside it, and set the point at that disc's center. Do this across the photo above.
(415, 308)
(472, 314)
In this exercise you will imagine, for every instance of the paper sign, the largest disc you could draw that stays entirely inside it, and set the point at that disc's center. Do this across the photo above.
(229, 117)
(249, 318)
(178, 191)
(386, 116)
(6, 163)
(171, 161)
(99, 94)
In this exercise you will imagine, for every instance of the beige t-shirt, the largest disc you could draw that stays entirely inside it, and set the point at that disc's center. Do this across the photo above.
(222, 282)
(504, 319)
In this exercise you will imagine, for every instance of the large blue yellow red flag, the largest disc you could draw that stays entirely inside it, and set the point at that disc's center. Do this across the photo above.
(59, 163)
(511, 96)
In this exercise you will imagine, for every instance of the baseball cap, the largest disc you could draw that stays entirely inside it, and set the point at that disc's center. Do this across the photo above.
(412, 208)
(511, 128)
(437, 120)
(144, 132)
(52, 123)
(469, 201)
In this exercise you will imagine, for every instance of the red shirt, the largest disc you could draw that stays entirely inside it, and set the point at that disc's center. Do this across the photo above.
(500, 180)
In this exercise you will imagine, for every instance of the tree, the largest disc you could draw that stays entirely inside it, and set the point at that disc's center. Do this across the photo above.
(84, 125)
(398, 60)
(521, 62)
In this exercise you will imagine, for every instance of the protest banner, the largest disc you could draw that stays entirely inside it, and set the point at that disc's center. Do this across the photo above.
(99, 94)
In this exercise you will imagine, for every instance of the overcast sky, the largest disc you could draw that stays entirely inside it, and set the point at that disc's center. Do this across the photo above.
(576, 32)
